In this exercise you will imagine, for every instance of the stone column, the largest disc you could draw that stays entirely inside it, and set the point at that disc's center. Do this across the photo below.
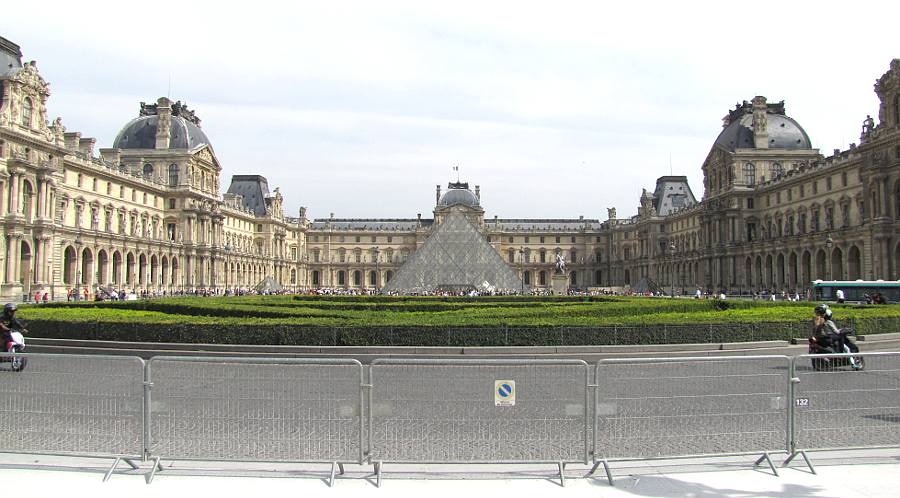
(14, 193)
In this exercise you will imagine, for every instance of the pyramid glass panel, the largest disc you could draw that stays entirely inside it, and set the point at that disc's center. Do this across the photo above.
(456, 257)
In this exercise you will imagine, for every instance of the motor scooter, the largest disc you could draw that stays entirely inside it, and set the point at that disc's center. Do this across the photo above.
(16, 344)
(835, 344)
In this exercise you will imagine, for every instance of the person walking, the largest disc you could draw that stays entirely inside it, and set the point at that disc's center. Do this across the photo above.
(839, 295)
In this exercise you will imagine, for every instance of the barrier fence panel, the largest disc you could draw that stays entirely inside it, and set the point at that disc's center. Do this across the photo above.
(840, 407)
(681, 407)
(479, 411)
(85, 405)
(248, 409)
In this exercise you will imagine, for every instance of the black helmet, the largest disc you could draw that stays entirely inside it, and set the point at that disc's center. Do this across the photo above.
(822, 310)
(10, 308)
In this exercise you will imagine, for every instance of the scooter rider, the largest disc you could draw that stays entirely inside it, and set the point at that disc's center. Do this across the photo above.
(9, 323)
(825, 329)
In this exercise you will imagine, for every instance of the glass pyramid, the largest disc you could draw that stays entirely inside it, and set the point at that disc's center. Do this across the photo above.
(457, 258)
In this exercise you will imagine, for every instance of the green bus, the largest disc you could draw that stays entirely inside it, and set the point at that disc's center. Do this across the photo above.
(856, 290)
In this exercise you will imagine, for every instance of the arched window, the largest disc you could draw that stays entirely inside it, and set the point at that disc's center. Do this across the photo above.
(27, 109)
(357, 278)
(777, 170)
(148, 169)
(750, 174)
(173, 175)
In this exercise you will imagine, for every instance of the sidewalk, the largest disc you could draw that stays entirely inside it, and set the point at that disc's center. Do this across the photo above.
(840, 474)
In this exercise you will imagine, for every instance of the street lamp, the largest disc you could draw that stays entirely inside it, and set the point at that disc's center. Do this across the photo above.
(377, 273)
(829, 243)
(672, 263)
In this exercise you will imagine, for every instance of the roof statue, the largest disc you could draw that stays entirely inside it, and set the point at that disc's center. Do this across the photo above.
(455, 257)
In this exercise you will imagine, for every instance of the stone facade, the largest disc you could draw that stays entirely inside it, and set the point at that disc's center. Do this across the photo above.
(147, 214)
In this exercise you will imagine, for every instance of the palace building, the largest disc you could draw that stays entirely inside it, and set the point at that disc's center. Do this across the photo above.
(148, 214)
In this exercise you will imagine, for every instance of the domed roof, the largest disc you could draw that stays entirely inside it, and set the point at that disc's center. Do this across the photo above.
(784, 133)
(140, 133)
(455, 196)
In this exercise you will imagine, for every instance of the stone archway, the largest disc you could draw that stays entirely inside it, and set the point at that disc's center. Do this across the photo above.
(87, 267)
(117, 268)
(129, 269)
(897, 261)
(821, 268)
(102, 267)
(792, 271)
(837, 264)
(69, 261)
(854, 264)
(805, 269)
(26, 274)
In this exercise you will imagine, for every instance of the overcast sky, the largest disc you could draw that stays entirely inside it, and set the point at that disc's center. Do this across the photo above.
(556, 109)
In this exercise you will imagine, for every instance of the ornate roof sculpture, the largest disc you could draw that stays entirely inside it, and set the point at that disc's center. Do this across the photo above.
(457, 257)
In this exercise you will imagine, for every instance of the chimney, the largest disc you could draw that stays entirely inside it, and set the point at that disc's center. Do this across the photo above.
(86, 146)
(760, 123)
(302, 213)
(164, 122)
(478, 193)
(437, 195)
(73, 139)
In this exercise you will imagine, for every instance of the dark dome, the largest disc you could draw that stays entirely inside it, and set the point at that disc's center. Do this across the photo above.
(458, 196)
(784, 133)
(140, 133)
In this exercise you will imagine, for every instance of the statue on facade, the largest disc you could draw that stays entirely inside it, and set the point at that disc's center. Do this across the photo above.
(560, 263)
(867, 127)
(611, 213)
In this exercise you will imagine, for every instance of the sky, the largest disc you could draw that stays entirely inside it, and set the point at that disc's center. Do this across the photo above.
(556, 109)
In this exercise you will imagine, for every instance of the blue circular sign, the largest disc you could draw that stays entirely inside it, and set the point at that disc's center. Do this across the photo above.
(504, 390)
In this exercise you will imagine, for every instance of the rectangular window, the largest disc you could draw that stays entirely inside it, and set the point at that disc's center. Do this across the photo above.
(510, 240)
(815, 185)
(750, 203)
(802, 190)
(542, 239)
(790, 193)
(844, 178)
(390, 239)
(829, 218)
(171, 203)
(557, 240)
(828, 183)
(573, 240)
(121, 191)
(526, 239)
(815, 220)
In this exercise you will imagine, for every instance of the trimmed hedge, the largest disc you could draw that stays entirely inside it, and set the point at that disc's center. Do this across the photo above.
(425, 321)
(440, 336)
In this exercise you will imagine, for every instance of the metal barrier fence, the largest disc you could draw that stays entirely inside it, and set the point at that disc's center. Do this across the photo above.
(447, 411)
(86, 405)
(242, 409)
(839, 407)
(687, 407)
(479, 411)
